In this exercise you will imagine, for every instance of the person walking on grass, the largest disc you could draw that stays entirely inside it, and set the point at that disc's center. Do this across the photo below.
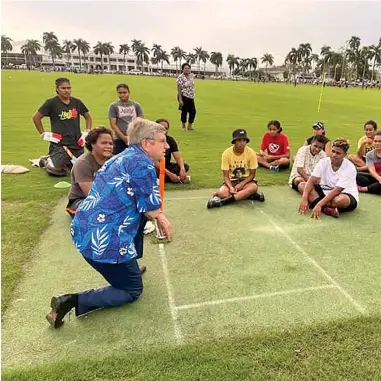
(275, 148)
(372, 184)
(105, 226)
(185, 97)
(239, 164)
(121, 113)
(64, 112)
(331, 188)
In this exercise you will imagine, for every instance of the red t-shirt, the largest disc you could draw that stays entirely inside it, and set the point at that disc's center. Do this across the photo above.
(275, 145)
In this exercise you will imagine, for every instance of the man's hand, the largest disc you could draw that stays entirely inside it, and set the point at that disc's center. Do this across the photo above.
(239, 187)
(232, 190)
(174, 178)
(316, 212)
(51, 137)
(183, 174)
(303, 207)
(165, 226)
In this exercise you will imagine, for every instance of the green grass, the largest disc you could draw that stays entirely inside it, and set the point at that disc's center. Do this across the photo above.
(27, 202)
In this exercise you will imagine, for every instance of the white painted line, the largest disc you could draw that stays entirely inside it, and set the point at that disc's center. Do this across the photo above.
(255, 296)
(358, 307)
(171, 302)
(187, 198)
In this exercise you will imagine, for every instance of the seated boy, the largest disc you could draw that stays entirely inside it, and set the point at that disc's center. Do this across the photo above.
(331, 187)
(306, 160)
(239, 164)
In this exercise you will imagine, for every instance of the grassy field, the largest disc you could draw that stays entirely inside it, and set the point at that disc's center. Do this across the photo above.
(270, 351)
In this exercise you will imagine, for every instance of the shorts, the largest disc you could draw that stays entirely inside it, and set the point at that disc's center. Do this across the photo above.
(236, 182)
(294, 186)
(352, 205)
(60, 158)
(73, 205)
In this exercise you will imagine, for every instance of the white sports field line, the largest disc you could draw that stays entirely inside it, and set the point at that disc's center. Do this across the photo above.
(171, 302)
(358, 307)
(255, 296)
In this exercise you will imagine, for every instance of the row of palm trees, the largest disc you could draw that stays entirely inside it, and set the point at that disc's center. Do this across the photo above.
(353, 61)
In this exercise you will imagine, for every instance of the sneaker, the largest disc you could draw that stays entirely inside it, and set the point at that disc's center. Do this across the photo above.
(257, 196)
(274, 168)
(143, 269)
(214, 202)
(333, 212)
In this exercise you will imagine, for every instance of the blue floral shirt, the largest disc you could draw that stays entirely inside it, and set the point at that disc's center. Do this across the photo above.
(107, 221)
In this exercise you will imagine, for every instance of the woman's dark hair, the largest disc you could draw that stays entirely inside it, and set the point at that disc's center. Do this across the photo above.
(275, 123)
(341, 143)
(122, 86)
(378, 133)
(320, 139)
(372, 123)
(162, 120)
(184, 65)
(60, 81)
(94, 134)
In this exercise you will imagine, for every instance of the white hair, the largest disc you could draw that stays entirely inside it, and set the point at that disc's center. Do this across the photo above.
(140, 129)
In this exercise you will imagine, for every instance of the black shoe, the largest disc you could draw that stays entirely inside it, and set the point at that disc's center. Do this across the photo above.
(143, 269)
(61, 305)
(257, 196)
(214, 202)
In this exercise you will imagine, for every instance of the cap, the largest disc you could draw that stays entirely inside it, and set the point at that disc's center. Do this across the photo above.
(240, 134)
(318, 126)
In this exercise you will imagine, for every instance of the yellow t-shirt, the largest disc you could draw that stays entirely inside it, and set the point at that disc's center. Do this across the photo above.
(364, 147)
(239, 165)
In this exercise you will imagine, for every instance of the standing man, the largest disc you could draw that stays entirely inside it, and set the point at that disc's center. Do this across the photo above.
(332, 186)
(121, 113)
(105, 226)
(64, 112)
(185, 96)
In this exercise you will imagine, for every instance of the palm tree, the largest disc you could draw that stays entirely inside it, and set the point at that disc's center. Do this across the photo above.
(6, 46)
(142, 55)
(267, 59)
(157, 50)
(109, 47)
(85, 48)
(30, 49)
(304, 52)
(252, 63)
(365, 56)
(163, 57)
(216, 59)
(100, 49)
(135, 48)
(191, 58)
(67, 48)
(354, 54)
(232, 62)
(78, 46)
(375, 54)
(124, 49)
(199, 52)
(243, 64)
(177, 54)
(52, 45)
(204, 56)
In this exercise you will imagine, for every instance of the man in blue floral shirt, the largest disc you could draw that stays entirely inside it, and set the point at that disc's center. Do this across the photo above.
(107, 222)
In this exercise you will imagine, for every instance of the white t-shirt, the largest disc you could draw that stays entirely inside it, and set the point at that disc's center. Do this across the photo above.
(344, 177)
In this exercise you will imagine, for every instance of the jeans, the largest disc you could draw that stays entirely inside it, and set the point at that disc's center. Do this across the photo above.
(125, 280)
(119, 146)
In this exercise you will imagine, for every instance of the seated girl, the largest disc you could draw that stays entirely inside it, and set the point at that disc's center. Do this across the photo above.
(318, 129)
(275, 148)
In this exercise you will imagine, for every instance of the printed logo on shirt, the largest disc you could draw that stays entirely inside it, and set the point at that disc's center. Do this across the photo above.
(126, 111)
(70, 114)
(273, 147)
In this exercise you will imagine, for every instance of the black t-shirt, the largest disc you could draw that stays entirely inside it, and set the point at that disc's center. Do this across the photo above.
(172, 148)
(65, 119)
(309, 141)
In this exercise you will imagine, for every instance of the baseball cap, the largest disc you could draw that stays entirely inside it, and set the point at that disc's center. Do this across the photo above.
(318, 126)
(240, 134)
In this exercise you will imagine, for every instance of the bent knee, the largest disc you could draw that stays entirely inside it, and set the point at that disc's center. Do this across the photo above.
(53, 171)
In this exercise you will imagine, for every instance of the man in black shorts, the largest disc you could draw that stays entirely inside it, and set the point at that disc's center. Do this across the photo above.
(332, 187)
(66, 139)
